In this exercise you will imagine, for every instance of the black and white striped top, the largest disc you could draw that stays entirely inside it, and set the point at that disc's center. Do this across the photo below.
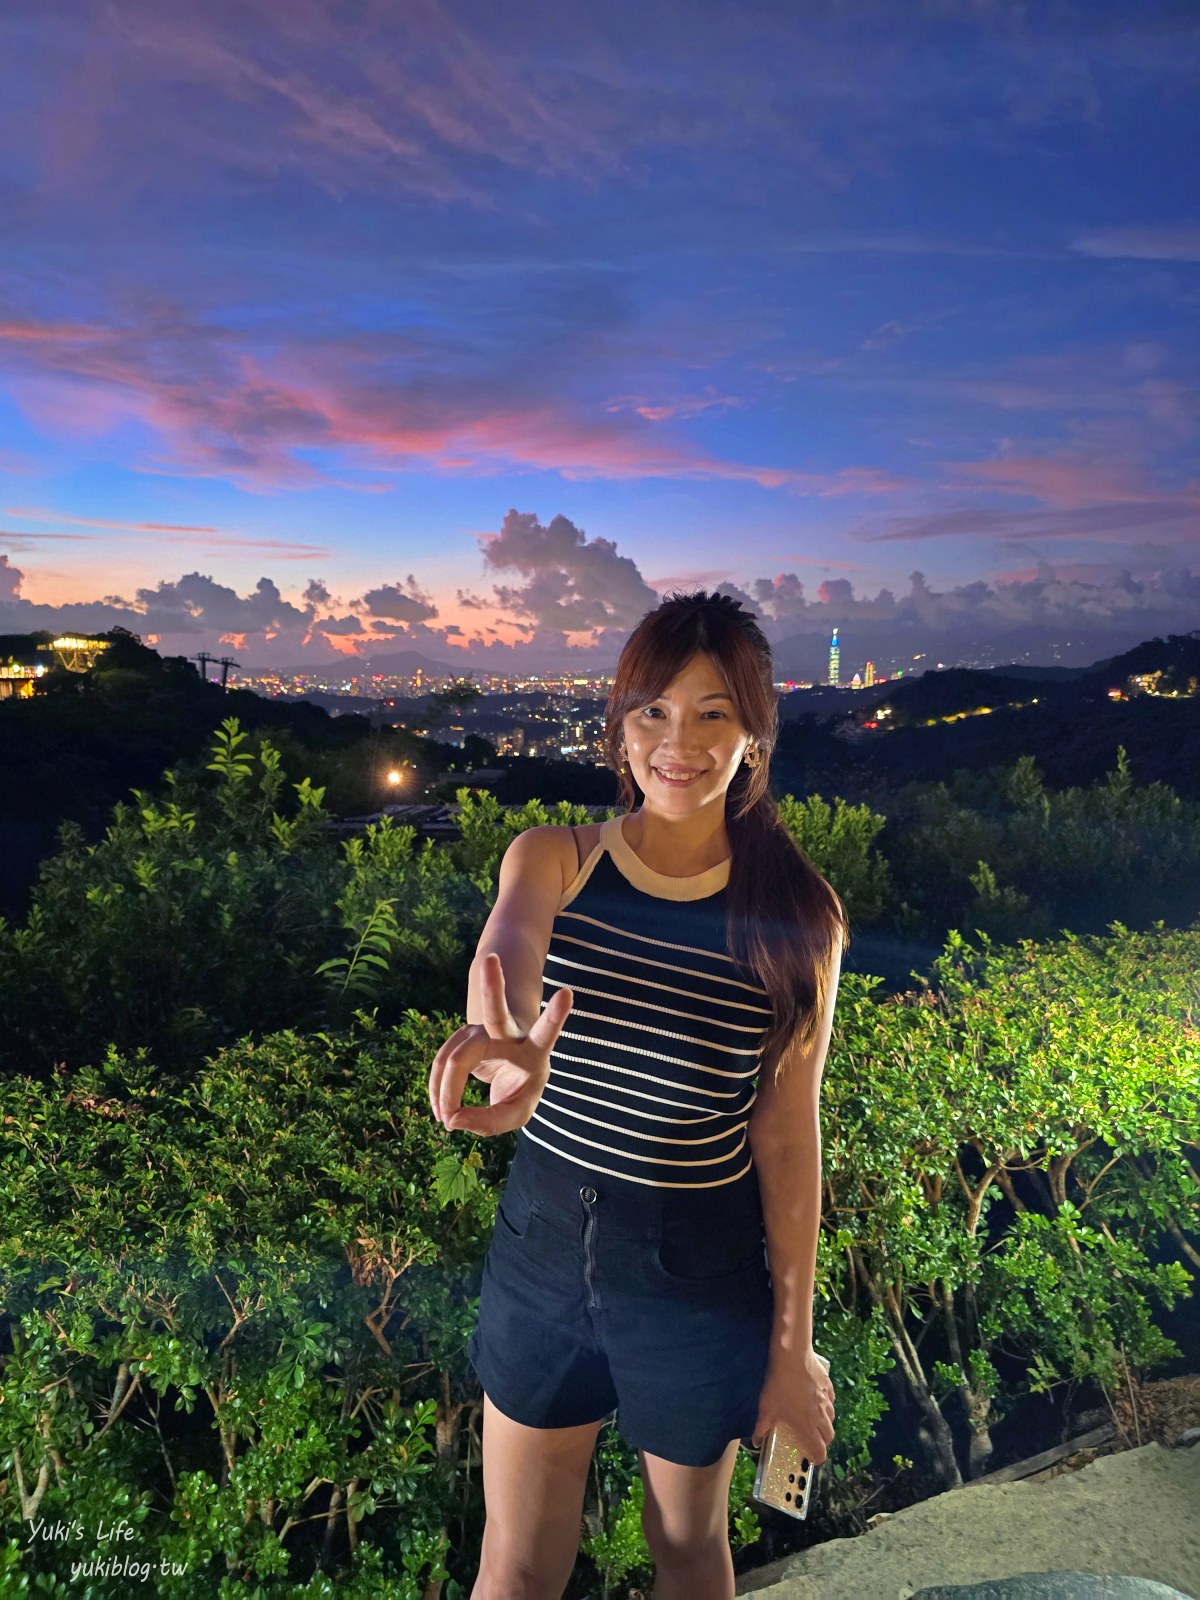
(653, 1076)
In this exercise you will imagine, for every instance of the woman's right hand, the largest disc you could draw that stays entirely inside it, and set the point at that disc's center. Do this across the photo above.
(514, 1065)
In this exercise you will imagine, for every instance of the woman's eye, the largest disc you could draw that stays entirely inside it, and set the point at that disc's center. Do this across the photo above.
(653, 711)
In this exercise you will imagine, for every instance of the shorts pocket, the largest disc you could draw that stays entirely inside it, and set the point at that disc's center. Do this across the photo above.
(514, 1213)
(696, 1257)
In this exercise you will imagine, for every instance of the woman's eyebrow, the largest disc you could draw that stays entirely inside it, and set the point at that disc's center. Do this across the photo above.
(703, 697)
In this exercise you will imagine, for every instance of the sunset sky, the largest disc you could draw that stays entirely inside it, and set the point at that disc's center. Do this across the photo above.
(335, 325)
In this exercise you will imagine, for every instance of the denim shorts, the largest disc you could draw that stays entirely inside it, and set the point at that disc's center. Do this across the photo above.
(602, 1296)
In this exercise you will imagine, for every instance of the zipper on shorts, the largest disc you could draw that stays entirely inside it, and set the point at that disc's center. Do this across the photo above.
(588, 1196)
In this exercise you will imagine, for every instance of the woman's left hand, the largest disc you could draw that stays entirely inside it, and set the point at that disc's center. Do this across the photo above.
(798, 1393)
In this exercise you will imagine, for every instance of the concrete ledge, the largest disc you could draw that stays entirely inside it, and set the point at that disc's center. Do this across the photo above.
(1054, 1586)
(1134, 1513)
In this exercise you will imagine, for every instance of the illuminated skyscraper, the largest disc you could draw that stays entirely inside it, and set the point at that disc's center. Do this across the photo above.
(833, 659)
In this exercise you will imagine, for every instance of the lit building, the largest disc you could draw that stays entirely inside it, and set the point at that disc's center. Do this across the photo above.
(17, 681)
(74, 652)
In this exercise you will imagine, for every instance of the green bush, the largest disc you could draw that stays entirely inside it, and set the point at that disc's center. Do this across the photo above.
(1000, 853)
(206, 914)
(237, 1293)
(288, 1246)
(1063, 1079)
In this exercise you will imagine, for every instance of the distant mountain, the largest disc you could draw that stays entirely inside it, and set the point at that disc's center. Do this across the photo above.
(825, 702)
(1178, 654)
(943, 692)
(1034, 645)
(1015, 669)
(400, 664)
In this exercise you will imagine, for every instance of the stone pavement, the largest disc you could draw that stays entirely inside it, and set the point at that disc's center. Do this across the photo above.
(1133, 1513)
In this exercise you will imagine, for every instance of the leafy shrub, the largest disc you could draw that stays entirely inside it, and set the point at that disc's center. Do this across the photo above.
(276, 1239)
(266, 1247)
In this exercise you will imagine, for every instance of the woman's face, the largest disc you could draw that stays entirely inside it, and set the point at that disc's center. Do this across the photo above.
(694, 726)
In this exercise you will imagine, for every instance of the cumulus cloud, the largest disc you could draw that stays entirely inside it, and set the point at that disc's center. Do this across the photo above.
(10, 579)
(180, 615)
(396, 604)
(575, 597)
(196, 604)
(19, 615)
(572, 584)
(337, 625)
(780, 596)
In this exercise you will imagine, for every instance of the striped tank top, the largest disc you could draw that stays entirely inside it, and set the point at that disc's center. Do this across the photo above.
(654, 1074)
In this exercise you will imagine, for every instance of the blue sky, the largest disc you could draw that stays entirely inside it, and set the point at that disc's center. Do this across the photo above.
(344, 327)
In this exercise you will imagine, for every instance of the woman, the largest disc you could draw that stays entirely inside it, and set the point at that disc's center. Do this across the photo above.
(679, 952)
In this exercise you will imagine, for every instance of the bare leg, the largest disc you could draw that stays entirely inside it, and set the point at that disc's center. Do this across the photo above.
(533, 1486)
(685, 1516)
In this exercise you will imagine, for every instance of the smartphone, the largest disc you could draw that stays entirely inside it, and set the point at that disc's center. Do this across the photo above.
(785, 1475)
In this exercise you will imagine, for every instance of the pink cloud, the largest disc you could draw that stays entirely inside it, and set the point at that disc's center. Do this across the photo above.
(1170, 242)
(1062, 481)
(23, 331)
(195, 535)
(863, 480)
(221, 412)
(376, 104)
(690, 405)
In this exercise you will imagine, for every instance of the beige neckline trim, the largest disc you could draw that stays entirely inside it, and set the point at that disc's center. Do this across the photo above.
(696, 886)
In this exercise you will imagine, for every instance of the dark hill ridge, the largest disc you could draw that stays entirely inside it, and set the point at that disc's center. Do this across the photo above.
(72, 754)
(23, 647)
(1072, 745)
(956, 690)
(964, 689)
(1178, 654)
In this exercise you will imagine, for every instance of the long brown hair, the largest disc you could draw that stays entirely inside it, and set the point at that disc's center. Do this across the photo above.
(784, 920)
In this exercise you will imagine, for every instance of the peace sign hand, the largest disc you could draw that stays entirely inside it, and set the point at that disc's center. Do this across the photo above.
(514, 1065)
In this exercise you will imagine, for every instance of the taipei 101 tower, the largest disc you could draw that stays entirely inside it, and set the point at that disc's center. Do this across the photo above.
(833, 660)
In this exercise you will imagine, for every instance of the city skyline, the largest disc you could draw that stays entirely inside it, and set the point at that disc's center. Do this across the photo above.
(476, 336)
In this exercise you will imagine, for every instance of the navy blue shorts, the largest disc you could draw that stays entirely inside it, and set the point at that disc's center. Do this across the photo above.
(600, 1295)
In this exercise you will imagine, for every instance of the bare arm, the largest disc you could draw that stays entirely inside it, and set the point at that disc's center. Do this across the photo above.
(785, 1137)
(507, 1038)
(518, 929)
